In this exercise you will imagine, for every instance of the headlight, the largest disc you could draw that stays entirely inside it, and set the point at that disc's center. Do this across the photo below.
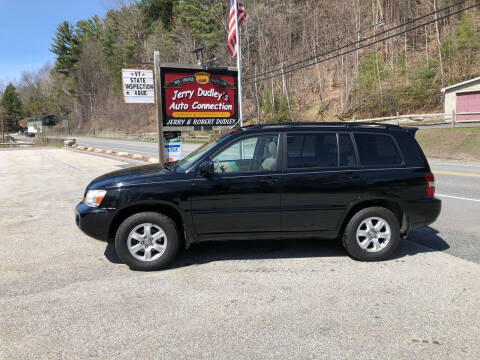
(94, 197)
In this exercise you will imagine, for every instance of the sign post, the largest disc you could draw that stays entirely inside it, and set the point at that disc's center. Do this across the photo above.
(158, 95)
(140, 87)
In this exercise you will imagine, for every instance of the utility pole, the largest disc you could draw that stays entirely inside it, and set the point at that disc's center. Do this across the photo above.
(158, 100)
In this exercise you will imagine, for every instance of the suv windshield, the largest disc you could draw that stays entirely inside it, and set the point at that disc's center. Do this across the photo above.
(190, 159)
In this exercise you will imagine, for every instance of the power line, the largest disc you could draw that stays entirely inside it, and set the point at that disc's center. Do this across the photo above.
(321, 45)
(261, 77)
(364, 46)
(356, 42)
(360, 47)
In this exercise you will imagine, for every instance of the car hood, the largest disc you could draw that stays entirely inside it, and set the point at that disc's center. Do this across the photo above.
(132, 176)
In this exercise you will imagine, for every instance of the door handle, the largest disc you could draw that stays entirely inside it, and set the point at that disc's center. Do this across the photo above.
(351, 175)
(268, 180)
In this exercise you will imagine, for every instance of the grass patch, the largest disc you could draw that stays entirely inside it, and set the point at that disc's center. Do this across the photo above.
(42, 140)
(458, 144)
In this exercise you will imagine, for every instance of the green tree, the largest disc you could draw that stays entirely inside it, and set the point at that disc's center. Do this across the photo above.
(66, 46)
(11, 102)
(154, 10)
(199, 17)
(274, 107)
(423, 91)
(468, 44)
(460, 50)
(370, 69)
(89, 29)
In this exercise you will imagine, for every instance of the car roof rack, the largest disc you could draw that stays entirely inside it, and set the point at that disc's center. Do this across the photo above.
(324, 124)
(377, 124)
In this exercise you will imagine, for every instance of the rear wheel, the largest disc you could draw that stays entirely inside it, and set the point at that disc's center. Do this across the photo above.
(147, 241)
(372, 234)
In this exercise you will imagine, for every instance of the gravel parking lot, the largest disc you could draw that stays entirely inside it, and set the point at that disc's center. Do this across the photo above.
(65, 295)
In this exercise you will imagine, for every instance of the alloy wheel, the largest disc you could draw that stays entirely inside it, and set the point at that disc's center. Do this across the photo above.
(373, 234)
(147, 242)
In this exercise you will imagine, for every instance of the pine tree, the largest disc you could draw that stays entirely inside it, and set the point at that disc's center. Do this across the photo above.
(88, 29)
(66, 47)
(201, 21)
(11, 102)
(154, 10)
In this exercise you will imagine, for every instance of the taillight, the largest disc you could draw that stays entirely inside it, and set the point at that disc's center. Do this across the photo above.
(430, 184)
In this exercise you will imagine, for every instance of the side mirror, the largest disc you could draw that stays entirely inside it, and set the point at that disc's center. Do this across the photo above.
(207, 169)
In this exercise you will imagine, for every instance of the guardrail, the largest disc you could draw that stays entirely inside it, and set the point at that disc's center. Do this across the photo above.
(424, 119)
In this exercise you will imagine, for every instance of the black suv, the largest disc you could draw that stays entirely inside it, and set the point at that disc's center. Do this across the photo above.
(366, 184)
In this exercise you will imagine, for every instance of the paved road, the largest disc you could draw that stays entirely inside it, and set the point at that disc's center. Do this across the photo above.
(457, 231)
(133, 147)
(64, 295)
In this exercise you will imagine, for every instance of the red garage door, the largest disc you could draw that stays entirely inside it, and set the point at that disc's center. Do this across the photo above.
(468, 102)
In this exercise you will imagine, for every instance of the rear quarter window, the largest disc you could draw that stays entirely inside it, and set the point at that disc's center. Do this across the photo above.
(410, 148)
(377, 149)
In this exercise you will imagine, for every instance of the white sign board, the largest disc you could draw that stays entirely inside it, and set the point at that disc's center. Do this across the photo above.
(138, 86)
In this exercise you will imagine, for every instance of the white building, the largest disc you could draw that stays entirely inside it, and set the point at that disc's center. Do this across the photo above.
(463, 97)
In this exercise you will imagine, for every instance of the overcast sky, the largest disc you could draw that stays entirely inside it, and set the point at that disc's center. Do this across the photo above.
(28, 27)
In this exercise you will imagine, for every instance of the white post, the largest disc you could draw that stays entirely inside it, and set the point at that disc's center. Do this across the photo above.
(239, 65)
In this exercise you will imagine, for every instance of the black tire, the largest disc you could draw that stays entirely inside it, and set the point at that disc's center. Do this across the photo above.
(164, 223)
(350, 235)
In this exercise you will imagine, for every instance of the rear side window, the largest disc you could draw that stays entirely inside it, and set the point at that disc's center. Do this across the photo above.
(375, 149)
(347, 153)
(410, 149)
(312, 150)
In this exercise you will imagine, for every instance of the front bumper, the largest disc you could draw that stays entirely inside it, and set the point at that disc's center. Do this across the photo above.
(94, 222)
(423, 212)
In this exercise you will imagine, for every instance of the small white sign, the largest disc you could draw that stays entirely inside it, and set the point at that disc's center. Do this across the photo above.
(172, 146)
(138, 86)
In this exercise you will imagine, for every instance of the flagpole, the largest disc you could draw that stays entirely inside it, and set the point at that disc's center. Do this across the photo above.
(239, 65)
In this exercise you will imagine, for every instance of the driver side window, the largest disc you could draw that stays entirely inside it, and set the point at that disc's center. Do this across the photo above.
(258, 153)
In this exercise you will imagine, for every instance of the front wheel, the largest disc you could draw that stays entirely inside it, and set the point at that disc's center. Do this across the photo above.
(372, 234)
(147, 241)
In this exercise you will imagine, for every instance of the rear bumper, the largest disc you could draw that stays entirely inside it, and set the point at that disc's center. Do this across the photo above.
(93, 221)
(423, 212)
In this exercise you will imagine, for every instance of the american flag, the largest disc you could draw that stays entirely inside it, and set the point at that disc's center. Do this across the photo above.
(232, 34)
